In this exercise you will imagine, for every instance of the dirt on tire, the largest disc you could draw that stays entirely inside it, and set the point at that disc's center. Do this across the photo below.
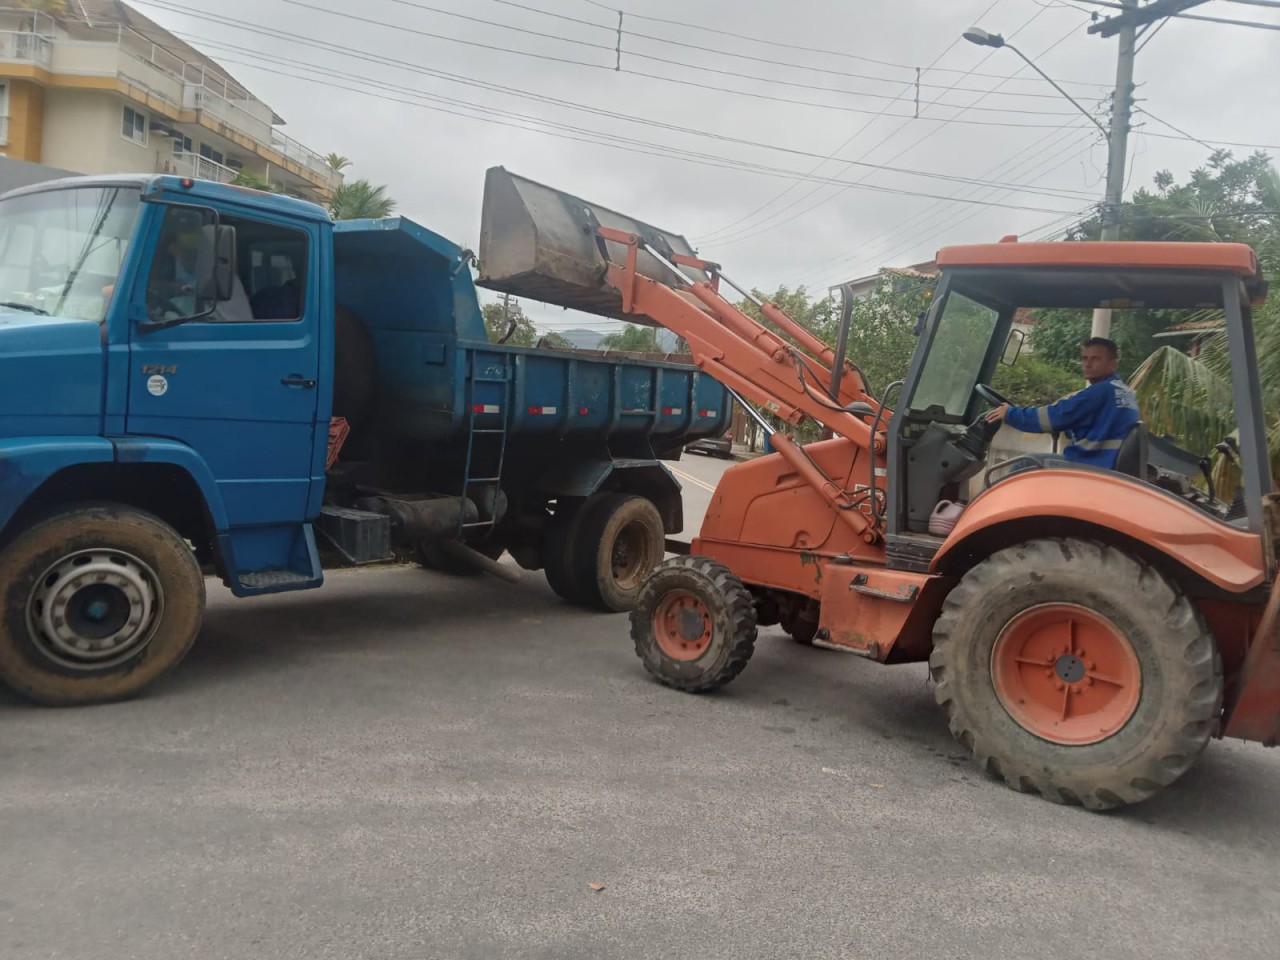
(733, 624)
(1181, 672)
(618, 539)
(32, 674)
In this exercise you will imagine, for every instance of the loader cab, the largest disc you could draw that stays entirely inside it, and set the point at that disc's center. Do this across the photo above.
(939, 442)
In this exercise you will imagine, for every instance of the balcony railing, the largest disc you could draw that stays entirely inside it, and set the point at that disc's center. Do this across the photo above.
(25, 48)
(202, 168)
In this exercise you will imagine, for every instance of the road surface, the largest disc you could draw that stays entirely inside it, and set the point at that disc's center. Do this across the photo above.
(407, 765)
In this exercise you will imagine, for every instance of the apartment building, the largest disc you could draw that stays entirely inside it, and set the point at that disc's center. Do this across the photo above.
(100, 88)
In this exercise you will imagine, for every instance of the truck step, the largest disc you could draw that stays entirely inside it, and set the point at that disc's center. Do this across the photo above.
(264, 579)
(471, 480)
(361, 536)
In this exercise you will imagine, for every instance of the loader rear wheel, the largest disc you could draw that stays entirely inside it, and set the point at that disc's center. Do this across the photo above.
(618, 540)
(694, 624)
(96, 603)
(1077, 671)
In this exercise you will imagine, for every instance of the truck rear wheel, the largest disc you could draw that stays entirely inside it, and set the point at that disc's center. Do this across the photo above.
(559, 535)
(1074, 670)
(694, 624)
(619, 538)
(96, 603)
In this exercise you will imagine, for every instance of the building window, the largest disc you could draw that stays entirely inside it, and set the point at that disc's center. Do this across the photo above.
(209, 153)
(134, 126)
(4, 113)
(181, 146)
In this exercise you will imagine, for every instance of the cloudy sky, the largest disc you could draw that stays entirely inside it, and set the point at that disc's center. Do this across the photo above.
(783, 139)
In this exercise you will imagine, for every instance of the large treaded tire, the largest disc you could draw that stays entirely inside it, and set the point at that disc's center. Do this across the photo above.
(617, 540)
(1180, 690)
(50, 553)
(709, 590)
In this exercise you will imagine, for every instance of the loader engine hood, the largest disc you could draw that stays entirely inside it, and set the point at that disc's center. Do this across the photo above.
(51, 376)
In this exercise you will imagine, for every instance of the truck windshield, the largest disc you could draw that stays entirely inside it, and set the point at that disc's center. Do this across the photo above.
(956, 355)
(61, 250)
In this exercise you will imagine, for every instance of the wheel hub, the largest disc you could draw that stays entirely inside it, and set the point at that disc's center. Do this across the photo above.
(94, 609)
(682, 626)
(627, 556)
(1066, 674)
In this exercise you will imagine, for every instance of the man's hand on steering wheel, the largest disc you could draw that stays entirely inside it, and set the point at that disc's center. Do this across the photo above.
(991, 396)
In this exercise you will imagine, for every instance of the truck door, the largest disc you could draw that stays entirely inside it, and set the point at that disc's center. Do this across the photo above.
(239, 385)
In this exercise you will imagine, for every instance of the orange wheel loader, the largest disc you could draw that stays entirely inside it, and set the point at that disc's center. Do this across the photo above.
(1087, 630)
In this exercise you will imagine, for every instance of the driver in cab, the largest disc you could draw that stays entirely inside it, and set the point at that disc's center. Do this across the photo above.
(1095, 418)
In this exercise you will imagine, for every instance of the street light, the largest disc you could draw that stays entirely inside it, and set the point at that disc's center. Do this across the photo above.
(982, 38)
(1116, 136)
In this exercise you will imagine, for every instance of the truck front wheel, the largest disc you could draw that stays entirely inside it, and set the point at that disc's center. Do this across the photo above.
(96, 603)
(1077, 671)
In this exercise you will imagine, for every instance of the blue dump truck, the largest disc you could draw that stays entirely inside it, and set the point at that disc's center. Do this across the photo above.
(196, 377)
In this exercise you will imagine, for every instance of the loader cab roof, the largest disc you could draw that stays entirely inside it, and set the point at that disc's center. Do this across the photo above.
(1116, 275)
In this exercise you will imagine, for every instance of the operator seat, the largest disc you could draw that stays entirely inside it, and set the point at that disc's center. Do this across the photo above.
(1131, 458)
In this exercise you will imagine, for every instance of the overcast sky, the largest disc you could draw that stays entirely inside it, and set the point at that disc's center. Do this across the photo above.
(357, 88)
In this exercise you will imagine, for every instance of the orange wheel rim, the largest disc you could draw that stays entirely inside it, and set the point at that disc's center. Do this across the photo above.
(1066, 674)
(682, 626)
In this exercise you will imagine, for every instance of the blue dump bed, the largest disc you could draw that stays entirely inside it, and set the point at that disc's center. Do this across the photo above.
(437, 377)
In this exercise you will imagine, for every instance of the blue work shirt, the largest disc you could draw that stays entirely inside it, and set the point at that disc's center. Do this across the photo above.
(1096, 420)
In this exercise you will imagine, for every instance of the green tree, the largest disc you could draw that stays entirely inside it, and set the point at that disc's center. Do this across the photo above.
(554, 341)
(360, 200)
(1058, 335)
(337, 162)
(508, 325)
(632, 339)
(255, 182)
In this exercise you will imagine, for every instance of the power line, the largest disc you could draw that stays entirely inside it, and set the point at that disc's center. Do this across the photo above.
(743, 235)
(792, 46)
(565, 131)
(401, 28)
(857, 133)
(362, 55)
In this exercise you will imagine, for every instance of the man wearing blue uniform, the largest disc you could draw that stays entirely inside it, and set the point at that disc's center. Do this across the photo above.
(1096, 418)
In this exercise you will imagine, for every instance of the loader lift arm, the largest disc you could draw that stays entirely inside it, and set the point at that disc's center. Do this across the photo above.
(753, 361)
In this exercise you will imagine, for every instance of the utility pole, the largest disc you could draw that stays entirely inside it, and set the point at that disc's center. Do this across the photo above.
(1117, 148)
(1126, 24)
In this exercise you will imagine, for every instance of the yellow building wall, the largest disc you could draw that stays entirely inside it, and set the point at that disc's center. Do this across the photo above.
(26, 121)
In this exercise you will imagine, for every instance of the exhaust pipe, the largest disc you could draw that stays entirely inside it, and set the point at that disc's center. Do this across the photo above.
(541, 243)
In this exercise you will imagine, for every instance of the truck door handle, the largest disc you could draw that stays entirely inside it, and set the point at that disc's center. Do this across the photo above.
(296, 380)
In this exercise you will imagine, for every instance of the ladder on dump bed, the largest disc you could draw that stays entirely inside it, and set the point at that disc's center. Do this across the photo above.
(486, 446)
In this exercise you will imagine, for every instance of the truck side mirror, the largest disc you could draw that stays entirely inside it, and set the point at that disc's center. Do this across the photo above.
(224, 267)
(1013, 347)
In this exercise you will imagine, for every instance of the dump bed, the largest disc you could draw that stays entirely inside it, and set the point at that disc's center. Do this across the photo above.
(437, 378)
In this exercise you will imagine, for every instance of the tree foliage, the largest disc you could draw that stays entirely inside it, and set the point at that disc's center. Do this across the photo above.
(360, 200)
(633, 339)
(554, 341)
(498, 323)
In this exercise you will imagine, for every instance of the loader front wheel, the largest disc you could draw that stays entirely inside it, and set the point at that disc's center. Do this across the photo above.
(1077, 671)
(96, 603)
(694, 624)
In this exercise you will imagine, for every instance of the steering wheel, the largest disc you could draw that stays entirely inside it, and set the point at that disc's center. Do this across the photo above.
(158, 303)
(989, 395)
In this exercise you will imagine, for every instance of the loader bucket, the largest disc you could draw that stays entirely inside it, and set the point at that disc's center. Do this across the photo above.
(541, 243)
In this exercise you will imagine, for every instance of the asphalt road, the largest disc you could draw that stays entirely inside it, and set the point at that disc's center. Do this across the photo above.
(405, 765)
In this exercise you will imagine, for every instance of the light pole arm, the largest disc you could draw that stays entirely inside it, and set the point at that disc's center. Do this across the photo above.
(1031, 63)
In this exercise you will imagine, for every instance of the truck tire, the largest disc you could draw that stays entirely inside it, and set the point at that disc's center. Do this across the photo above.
(694, 624)
(618, 539)
(1077, 671)
(96, 603)
(560, 533)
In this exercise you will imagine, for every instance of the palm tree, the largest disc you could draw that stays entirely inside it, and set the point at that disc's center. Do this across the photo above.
(1191, 397)
(360, 200)
(337, 162)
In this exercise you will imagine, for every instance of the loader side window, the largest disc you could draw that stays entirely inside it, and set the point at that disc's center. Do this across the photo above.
(956, 355)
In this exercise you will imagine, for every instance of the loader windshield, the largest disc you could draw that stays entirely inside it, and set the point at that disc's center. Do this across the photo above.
(956, 356)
